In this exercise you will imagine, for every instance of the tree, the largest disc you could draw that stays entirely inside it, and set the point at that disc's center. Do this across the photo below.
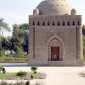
(83, 30)
(18, 43)
(4, 25)
(26, 34)
(20, 31)
(5, 43)
(20, 34)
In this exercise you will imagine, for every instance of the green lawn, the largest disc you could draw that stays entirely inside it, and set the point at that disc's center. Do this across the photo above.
(12, 76)
(9, 59)
(7, 76)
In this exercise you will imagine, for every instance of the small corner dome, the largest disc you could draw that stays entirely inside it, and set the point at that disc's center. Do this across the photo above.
(73, 12)
(36, 11)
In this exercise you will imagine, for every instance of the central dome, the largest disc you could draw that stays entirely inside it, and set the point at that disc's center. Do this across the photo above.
(54, 7)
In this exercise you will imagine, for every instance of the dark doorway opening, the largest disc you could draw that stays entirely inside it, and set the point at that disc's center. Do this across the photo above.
(55, 53)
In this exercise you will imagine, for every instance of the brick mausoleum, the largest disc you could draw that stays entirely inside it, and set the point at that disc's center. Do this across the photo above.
(55, 35)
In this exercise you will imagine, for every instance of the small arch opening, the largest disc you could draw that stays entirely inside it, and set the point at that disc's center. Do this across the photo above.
(73, 23)
(38, 23)
(63, 23)
(48, 23)
(43, 23)
(58, 23)
(68, 23)
(53, 23)
(33, 23)
(78, 23)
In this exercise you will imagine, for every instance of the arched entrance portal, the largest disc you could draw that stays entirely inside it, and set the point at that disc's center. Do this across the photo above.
(55, 50)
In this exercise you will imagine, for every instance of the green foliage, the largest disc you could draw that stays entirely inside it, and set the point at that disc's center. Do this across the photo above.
(15, 58)
(15, 46)
(5, 43)
(32, 76)
(2, 52)
(20, 33)
(27, 83)
(84, 47)
(4, 25)
(19, 51)
(4, 83)
(83, 30)
(21, 74)
(18, 43)
(34, 69)
(8, 76)
(2, 69)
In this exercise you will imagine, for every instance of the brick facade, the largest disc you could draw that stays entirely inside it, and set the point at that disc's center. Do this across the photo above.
(63, 31)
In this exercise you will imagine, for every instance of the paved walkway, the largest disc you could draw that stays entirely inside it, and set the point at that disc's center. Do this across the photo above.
(57, 75)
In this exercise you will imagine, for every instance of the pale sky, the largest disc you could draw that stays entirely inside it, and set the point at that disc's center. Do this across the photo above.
(17, 11)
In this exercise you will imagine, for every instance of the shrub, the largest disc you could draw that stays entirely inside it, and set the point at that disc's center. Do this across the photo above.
(32, 76)
(21, 74)
(3, 69)
(34, 69)
(27, 83)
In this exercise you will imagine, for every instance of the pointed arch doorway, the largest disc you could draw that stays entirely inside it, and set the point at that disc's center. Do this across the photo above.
(55, 50)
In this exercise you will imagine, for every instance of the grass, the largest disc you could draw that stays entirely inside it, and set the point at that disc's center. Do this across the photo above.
(7, 76)
(12, 76)
(12, 59)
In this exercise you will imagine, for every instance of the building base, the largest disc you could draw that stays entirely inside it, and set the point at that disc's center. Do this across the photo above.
(56, 63)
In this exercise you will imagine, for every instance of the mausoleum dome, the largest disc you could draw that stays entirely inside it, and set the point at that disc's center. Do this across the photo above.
(54, 7)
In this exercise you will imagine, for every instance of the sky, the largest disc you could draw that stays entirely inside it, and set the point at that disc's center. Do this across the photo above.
(17, 11)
